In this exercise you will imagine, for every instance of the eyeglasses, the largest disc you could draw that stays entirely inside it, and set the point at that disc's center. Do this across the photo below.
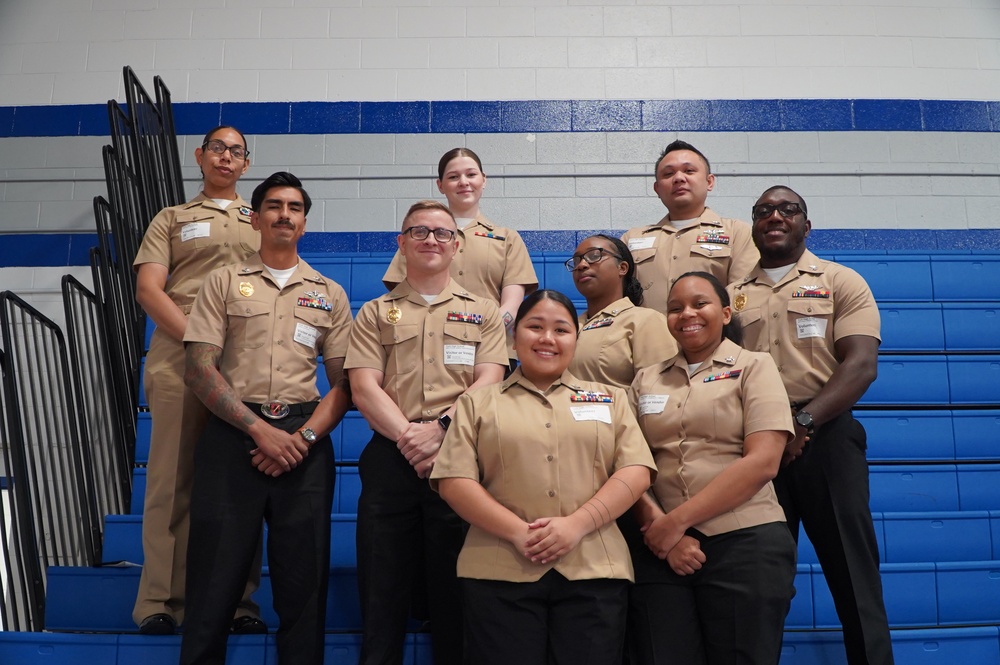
(421, 233)
(591, 256)
(765, 210)
(219, 148)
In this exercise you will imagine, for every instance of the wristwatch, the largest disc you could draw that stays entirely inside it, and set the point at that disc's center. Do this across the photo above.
(444, 422)
(308, 435)
(805, 419)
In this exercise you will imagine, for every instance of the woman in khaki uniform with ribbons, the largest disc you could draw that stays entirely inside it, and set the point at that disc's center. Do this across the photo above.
(715, 582)
(182, 245)
(540, 466)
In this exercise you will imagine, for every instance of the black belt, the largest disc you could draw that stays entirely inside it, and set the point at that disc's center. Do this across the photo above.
(276, 410)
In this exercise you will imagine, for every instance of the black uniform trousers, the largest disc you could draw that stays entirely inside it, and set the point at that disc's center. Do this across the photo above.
(229, 501)
(406, 536)
(827, 491)
(731, 612)
(552, 620)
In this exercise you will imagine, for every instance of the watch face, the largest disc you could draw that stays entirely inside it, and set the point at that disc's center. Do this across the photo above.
(308, 434)
(804, 419)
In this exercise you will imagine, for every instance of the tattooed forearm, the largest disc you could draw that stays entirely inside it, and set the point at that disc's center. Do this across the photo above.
(201, 374)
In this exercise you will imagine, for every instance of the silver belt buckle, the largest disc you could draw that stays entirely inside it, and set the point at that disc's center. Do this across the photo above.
(274, 410)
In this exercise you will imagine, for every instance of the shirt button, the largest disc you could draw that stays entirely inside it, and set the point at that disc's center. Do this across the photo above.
(461, 272)
(552, 492)
(548, 457)
(548, 425)
(280, 342)
(779, 368)
(430, 387)
(227, 244)
(248, 310)
(777, 342)
(427, 412)
(395, 338)
(430, 334)
(226, 226)
(281, 316)
(775, 315)
(430, 361)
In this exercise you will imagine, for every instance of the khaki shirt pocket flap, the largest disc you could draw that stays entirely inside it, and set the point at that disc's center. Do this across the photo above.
(313, 316)
(246, 308)
(811, 306)
(643, 255)
(467, 332)
(712, 251)
(194, 216)
(398, 333)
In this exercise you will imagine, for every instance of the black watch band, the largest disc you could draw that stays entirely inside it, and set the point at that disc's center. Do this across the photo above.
(444, 422)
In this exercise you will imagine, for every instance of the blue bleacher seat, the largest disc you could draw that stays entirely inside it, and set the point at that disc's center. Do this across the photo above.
(143, 433)
(979, 486)
(977, 435)
(908, 435)
(61, 648)
(898, 488)
(974, 379)
(894, 278)
(138, 490)
(335, 266)
(557, 277)
(967, 592)
(342, 541)
(366, 277)
(937, 536)
(911, 327)
(966, 278)
(936, 646)
(800, 614)
(971, 326)
(909, 380)
(909, 591)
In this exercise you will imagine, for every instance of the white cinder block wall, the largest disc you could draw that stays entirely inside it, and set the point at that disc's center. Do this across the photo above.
(61, 52)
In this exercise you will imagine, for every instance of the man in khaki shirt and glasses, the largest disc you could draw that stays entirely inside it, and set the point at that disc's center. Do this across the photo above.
(412, 352)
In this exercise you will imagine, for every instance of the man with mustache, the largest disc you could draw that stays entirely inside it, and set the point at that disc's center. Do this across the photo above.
(253, 343)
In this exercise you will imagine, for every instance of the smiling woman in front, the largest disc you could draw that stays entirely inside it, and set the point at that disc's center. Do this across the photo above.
(716, 417)
(540, 466)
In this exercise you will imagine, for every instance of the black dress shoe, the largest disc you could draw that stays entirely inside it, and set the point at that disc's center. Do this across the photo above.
(158, 624)
(248, 625)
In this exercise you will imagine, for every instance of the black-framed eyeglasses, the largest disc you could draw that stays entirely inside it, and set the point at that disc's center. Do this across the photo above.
(787, 210)
(591, 256)
(421, 233)
(219, 148)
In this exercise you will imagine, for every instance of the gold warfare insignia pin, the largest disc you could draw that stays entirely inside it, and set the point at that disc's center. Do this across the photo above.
(246, 289)
(394, 315)
(739, 302)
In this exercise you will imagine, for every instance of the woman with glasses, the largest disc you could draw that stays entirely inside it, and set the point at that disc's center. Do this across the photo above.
(492, 261)
(716, 577)
(618, 337)
(181, 246)
(540, 466)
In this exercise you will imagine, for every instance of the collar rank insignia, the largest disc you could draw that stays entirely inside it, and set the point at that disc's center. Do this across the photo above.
(465, 317)
(714, 238)
(588, 396)
(731, 374)
(811, 292)
(599, 323)
(245, 210)
(316, 300)
(490, 235)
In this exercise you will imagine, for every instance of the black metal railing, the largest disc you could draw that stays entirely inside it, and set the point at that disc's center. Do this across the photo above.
(22, 589)
(109, 432)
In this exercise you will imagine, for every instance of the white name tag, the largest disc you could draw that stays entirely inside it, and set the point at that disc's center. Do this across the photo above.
(810, 326)
(196, 230)
(598, 412)
(652, 404)
(459, 354)
(306, 335)
(641, 243)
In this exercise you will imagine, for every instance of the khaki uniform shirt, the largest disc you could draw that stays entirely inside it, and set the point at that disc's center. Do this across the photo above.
(427, 352)
(489, 258)
(270, 337)
(722, 247)
(618, 341)
(542, 455)
(195, 238)
(799, 319)
(696, 427)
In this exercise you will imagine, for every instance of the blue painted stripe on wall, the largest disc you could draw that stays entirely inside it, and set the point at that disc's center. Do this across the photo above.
(67, 249)
(750, 115)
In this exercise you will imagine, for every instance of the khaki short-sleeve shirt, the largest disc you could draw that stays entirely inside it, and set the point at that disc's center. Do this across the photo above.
(195, 238)
(542, 455)
(427, 352)
(799, 319)
(270, 337)
(618, 341)
(696, 427)
(716, 245)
